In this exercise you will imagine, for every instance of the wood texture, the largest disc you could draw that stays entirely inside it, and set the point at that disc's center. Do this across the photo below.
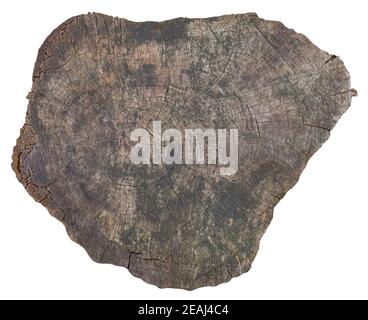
(97, 78)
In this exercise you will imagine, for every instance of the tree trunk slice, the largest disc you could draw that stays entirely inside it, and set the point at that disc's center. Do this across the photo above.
(97, 78)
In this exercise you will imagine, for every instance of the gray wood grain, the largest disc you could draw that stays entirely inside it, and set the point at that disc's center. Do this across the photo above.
(97, 78)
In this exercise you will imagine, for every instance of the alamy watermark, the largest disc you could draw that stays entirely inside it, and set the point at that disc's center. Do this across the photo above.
(168, 147)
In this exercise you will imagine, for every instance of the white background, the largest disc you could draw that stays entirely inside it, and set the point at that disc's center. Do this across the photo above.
(317, 244)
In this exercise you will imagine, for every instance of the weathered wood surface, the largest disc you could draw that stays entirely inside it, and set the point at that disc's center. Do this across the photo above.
(97, 78)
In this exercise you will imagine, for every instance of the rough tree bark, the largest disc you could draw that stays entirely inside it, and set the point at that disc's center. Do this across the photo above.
(97, 78)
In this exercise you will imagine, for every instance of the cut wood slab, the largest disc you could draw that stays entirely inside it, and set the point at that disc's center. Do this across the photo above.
(97, 78)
